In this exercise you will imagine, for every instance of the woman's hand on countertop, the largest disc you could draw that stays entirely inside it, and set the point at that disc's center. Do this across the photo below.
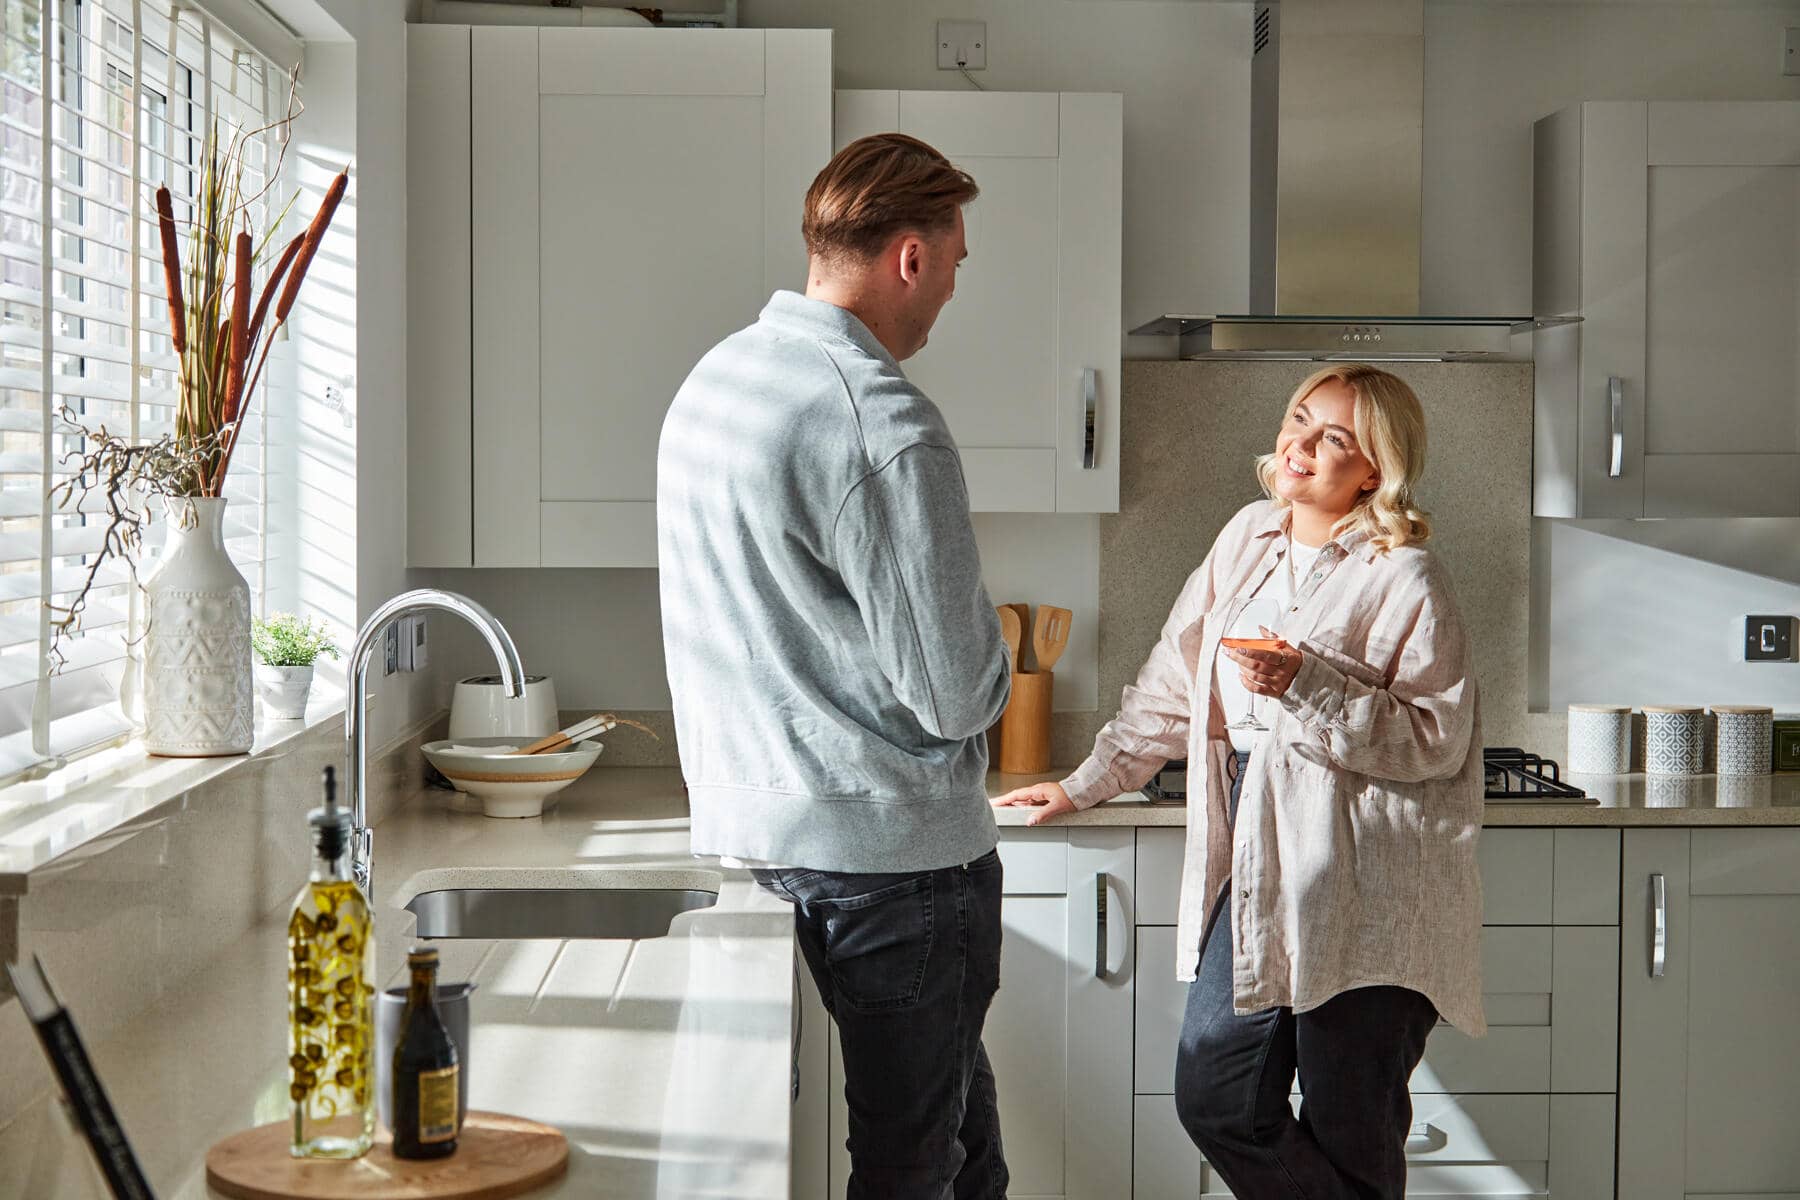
(1048, 798)
(1268, 672)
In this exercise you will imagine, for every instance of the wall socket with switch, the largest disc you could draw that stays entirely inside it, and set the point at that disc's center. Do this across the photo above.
(1771, 639)
(412, 643)
(962, 44)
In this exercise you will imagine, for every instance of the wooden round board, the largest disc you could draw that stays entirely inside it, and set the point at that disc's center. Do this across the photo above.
(496, 1156)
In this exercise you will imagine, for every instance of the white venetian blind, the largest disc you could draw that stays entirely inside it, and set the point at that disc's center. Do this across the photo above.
(104, 100)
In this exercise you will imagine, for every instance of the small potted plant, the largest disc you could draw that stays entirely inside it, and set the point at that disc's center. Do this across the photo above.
(287, 646)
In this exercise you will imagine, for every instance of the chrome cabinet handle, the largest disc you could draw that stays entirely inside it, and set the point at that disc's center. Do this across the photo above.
(1422, 1138)
(1615, 391)
(1659, 927)
(1090, 404)
(1100, 925)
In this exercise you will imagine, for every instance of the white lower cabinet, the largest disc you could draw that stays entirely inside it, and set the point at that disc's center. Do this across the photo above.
(1527, 1111)
(1058, 1034)
(1710, 1088)
(1084, 1054)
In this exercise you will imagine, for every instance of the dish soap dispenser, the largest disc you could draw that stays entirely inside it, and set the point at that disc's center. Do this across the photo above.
(331, 963)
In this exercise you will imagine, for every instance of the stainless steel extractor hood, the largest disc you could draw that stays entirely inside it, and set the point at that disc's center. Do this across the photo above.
(1336, 130)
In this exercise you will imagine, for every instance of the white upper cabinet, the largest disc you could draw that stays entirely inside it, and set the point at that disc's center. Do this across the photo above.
(1673, 230)
(1024, 361)
(633, 197)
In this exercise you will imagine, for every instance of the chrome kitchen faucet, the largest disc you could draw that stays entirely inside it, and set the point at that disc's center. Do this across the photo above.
(512, 677)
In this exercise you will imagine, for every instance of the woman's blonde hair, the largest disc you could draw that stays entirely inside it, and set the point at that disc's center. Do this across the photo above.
(1390, 430)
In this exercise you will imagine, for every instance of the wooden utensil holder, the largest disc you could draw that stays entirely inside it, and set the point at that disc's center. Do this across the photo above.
(1025, 725)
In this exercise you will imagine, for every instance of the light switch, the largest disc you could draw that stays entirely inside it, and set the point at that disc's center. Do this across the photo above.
(1770, 639)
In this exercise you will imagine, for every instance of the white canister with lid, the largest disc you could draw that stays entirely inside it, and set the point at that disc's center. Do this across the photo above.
(1674, 739)
(480, 707)
(1746, 734)
(1600, 739)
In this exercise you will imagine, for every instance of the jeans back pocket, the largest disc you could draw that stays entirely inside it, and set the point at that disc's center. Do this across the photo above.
(878, 944)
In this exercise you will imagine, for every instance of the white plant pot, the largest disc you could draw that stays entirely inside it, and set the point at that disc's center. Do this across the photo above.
(283, 690)
(197, 683)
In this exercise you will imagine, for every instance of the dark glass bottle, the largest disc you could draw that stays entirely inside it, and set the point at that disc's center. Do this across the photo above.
(425, 1069)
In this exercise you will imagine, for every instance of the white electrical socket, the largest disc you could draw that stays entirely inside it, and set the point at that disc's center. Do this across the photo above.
(962, 44)
(412, 649)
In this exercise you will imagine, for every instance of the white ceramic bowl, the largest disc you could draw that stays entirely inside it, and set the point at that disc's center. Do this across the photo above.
(510, 785)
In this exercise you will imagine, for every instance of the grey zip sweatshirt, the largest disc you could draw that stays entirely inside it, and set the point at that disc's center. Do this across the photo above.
(832, 653)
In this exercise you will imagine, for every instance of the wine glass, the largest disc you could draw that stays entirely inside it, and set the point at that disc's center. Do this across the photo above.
(1246, 633)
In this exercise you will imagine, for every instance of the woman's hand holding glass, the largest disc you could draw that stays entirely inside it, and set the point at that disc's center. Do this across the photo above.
(1266, 664)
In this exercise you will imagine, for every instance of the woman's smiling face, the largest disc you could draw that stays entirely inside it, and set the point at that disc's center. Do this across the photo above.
(1317, 460)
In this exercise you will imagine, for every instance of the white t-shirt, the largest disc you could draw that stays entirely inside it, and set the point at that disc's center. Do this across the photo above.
(1281, 586)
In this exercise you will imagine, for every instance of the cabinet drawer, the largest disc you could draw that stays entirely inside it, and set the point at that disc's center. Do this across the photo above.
(1528, 876)
(1460, 1146)
(1549, 876)
(1160, 852)
(1036, 862)
(1551, 997)
(1552, 1000)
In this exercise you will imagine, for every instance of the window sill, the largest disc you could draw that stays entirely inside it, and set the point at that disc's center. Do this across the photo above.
(45, 823)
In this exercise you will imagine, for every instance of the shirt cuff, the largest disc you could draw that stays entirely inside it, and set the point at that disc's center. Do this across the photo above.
(1090, 784)
(1316, 696)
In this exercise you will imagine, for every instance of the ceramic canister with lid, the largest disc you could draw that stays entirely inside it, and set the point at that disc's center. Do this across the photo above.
(1746, 733)
(1675, 739)
(1600, 739)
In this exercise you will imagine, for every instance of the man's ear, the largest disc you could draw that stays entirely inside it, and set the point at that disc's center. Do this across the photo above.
(912, 259)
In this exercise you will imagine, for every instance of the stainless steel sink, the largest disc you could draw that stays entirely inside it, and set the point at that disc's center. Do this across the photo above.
(625, 913)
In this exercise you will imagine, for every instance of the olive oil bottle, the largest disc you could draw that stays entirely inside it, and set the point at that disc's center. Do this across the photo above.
(331, 994)
(425, 1069)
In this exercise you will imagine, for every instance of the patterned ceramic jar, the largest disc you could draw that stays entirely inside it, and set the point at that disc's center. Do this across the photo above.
(1745, 735)
(1675, 740)
(1599, 739)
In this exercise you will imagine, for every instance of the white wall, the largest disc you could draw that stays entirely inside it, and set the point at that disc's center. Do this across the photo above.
(1638, 615)
(372, 283)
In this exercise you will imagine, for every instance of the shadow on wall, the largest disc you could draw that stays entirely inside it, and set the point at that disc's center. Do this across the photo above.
(1648, 612)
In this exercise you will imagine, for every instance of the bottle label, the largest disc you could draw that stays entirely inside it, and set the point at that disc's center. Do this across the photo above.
(437, 1105)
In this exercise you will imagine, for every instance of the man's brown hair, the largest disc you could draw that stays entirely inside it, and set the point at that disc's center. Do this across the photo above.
(877, 187)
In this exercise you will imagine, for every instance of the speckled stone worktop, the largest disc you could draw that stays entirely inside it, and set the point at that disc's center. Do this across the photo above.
(1623, 800)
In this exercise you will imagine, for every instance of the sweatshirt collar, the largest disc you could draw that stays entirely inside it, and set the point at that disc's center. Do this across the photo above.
(817, 318)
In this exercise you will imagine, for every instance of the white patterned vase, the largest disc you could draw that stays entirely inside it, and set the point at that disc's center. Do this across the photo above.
(197, 682)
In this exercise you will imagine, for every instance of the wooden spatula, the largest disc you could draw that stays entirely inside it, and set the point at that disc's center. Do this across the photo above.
(585, 728)
(1050, 636)
(1024, 611)
(1012, 631)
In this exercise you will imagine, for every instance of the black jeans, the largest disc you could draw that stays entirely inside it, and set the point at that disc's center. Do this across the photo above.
(1353, 1055)
(907, 965)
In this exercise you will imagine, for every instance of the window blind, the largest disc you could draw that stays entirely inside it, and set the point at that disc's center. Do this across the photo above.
(103, 101)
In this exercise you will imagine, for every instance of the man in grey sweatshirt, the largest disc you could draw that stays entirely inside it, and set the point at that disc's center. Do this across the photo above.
(835, 660)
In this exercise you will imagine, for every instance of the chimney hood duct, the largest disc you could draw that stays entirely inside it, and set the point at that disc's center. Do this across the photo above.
(1336, 136)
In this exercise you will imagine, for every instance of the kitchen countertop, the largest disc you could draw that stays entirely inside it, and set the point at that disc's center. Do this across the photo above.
(1624, 800)
(665, 1061)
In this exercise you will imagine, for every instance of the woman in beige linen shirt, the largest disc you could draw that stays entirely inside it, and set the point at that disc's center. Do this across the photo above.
(1331, 904)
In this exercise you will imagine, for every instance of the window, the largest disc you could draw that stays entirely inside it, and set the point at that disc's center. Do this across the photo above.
(103, 100)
